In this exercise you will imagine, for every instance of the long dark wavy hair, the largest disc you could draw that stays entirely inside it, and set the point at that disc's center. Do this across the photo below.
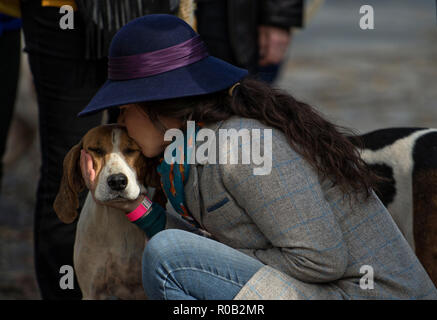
(326, 146)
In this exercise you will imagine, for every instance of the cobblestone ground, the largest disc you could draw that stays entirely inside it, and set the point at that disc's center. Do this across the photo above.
(363, 79)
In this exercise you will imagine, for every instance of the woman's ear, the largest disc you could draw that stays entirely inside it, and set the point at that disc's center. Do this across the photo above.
(151, 178)
(67, 200)
(159, 197)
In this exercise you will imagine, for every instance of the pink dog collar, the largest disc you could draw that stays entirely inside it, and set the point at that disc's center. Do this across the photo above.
(142, 209)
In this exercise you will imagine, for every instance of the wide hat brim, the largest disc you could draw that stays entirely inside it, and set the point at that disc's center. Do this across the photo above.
(202, 77)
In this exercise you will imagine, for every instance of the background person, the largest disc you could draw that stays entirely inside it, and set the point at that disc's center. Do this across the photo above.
(68, 67)
(254, 35)
(10, 48)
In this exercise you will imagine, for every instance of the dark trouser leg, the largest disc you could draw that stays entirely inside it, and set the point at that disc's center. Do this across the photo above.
(212, 24)
(64, 87)
(9, 69)
(269, 73)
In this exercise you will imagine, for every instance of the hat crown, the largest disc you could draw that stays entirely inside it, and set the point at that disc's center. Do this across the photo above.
(160, 57)
(150, 33)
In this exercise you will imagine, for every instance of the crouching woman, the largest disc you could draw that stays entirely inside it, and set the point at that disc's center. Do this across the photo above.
(311, 228)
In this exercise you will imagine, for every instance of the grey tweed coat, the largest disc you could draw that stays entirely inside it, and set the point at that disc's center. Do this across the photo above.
(312, 240)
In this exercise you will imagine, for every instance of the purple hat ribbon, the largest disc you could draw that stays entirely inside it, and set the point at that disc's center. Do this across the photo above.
(151, 63)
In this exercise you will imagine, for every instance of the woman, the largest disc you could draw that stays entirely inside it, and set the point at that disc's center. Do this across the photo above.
(311, 228)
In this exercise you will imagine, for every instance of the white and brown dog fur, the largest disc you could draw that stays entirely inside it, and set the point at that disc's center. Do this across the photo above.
(407, 158)
(108, 248)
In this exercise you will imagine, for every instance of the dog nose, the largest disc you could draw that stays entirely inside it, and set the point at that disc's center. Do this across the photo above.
(117, 182)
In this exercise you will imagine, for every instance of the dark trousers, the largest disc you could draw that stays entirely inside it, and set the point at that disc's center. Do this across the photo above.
(9, 69)
(212, 24)
(64, 87)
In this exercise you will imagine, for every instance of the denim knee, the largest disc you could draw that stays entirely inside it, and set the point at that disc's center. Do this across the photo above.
(163, 243)
(160, 249)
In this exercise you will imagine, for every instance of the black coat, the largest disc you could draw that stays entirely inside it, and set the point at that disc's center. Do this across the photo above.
(244, 16)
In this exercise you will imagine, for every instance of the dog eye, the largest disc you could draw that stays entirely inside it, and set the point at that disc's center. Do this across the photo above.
(129, 151)
(97, 151)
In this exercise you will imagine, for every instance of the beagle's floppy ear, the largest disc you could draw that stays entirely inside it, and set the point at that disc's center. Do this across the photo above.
(67, 201)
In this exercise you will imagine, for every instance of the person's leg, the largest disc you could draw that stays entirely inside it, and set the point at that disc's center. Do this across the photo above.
(181, 265)
(268, 73)
(212, 25)
(9, 69)
(64, 87)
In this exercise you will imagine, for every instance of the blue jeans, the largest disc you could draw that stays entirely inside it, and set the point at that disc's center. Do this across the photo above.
(179, 265)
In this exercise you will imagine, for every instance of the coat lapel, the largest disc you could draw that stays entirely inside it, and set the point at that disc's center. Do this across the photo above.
(191, 188)
(192, 195)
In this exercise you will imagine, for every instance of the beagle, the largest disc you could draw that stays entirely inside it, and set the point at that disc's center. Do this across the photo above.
(108, 248)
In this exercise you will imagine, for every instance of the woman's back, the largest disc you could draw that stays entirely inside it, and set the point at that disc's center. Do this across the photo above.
(302, 227)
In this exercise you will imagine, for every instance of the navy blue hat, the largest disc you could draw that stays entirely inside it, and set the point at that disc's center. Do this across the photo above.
(158, 57)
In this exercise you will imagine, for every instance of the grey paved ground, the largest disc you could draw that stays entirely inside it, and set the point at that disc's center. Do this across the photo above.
(368, 79)
(363, 79)
(17, 278)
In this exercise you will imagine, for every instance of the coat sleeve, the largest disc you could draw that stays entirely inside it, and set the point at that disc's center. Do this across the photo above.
(159, 219)
(282, 13)
(287, 205)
